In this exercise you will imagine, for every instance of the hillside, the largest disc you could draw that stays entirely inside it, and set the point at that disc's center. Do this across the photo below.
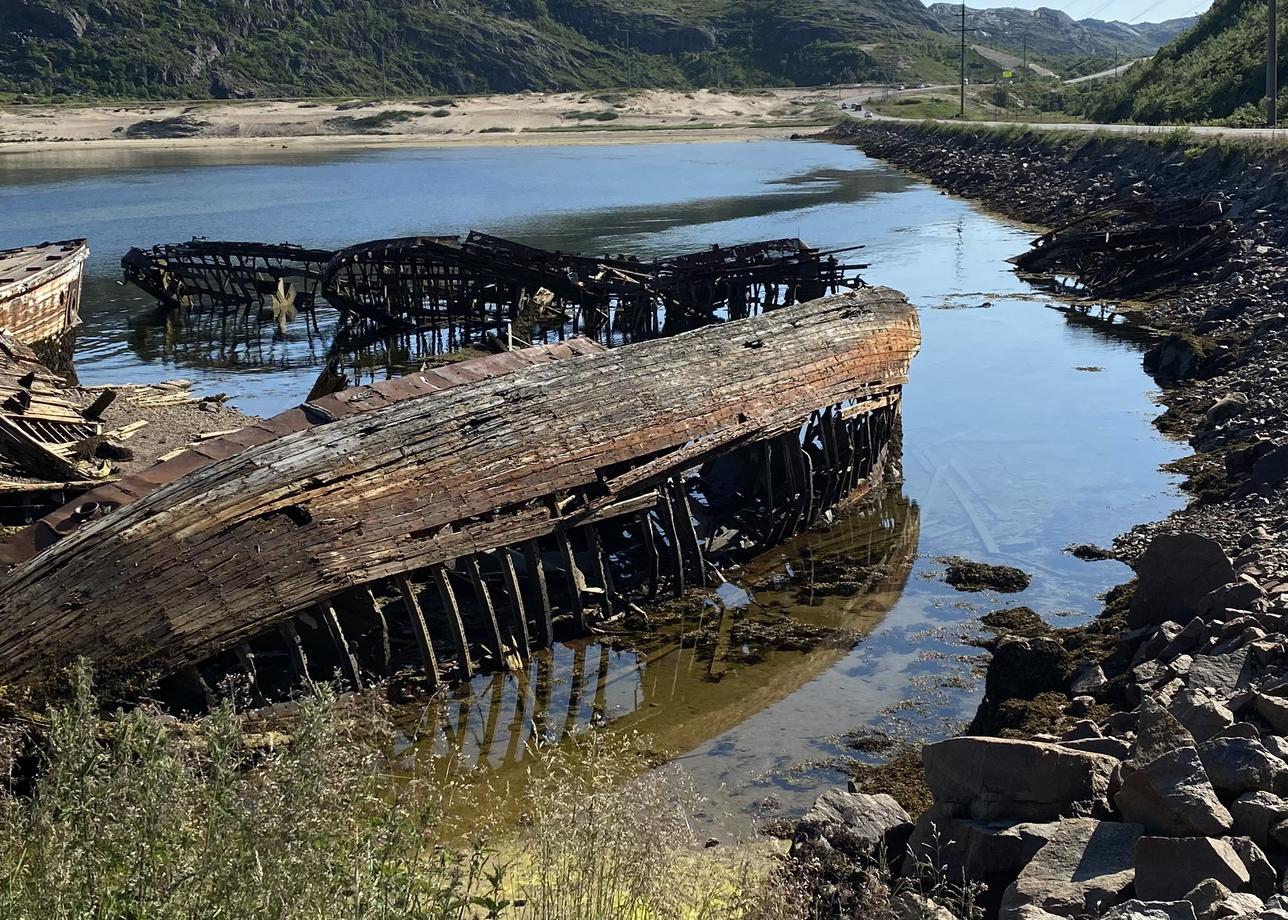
(1056, 37)
(239, 48)
(1216, 71)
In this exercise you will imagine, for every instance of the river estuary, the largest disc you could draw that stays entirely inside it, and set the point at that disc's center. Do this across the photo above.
(1023, 432)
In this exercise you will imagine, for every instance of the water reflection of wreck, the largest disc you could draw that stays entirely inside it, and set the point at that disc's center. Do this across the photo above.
(460, 517)
(666, 687)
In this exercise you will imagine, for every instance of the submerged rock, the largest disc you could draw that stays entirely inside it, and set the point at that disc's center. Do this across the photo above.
(965, 575)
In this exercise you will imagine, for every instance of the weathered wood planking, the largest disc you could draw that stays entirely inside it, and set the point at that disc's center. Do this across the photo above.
(232, 548)
(40, 289)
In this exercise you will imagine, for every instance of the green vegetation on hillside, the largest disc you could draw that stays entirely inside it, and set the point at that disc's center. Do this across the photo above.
(1215, 72)
(92, 49)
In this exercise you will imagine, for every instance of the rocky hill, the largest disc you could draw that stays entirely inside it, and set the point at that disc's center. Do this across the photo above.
(1055, 35)
(232, 48)
(1214, 72)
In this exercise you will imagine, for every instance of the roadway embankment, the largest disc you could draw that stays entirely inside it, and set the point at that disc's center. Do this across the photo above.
(1136, 766)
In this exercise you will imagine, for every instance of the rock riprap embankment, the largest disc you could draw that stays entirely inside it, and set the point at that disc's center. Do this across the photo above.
(1135, 768)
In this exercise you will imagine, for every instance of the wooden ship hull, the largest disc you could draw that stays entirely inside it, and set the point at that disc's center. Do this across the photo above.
(40, 289)
(514, 495)
(237, 276)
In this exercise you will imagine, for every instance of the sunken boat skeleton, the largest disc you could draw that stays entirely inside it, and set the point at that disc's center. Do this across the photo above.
(460, 517)
(451, 293)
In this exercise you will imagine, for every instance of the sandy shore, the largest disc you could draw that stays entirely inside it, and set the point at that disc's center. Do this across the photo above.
(631, 116)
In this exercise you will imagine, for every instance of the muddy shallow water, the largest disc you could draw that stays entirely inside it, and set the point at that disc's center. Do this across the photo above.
(1023, 432)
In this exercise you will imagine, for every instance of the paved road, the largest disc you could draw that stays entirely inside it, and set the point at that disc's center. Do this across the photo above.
(864, 94)
(1111, 72)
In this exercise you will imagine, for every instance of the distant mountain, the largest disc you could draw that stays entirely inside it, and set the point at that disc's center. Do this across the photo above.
(1214, 72)
(228, 48)
(1053, 35)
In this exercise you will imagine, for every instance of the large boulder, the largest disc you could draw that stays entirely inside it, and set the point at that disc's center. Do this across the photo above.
(1262, 877)
(1158, 732)
(1238, 765)
(991, 779)
(1024, 667)
(1173, 575)
(854, 824)
(1169, 868)
(1172, 795)
(1228, 673)
(1086, 866)
(1200, 713)
(1255, 813)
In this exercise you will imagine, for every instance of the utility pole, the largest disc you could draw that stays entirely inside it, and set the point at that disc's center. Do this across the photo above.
(962, 113)
(1272, 68)
(1026, 52)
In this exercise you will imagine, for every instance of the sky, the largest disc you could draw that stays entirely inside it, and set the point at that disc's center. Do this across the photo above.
(1122, 10)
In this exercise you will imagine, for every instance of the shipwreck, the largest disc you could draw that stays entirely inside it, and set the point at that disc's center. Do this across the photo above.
(40, 290)
(460, 516)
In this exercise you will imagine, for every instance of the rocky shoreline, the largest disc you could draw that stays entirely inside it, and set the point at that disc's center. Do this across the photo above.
(1136, 767)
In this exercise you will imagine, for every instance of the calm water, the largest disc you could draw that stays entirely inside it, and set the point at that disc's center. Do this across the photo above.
(1022, 433)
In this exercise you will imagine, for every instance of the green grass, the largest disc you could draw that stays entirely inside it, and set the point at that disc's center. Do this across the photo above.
(136, 816)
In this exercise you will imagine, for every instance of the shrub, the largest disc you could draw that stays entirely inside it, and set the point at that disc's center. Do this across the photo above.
(142, 817)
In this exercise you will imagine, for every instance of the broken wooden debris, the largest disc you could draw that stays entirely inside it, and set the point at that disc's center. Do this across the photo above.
(417, 482)
(40, 426)
(1135, 248)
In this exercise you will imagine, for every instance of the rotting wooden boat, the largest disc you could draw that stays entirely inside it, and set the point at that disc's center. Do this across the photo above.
(241, 276)
(40, 289)
(588, 457)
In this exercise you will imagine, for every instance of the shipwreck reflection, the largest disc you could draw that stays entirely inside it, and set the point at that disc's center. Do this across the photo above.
(786, 617)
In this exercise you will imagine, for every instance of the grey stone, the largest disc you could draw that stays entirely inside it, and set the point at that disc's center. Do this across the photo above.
(1239, 595)
(1172, 795)
(962, 849)
(854, 824)
(1276, 745)
(909, 905)
(1238, 765)
(1088, 680)
(1214, 901)
(1255, 813)
(995, 778)
(1081, 730)
(1201, 715)
(1150, 649)
(1274, 709)
(1271, 469)
(1227, 673)
(1239, 730)
(1168, 868)
(1086, 866)
(1173, 574)
(1261, 874)
(1150, 910)
(1158, 732)
(1186, 641)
